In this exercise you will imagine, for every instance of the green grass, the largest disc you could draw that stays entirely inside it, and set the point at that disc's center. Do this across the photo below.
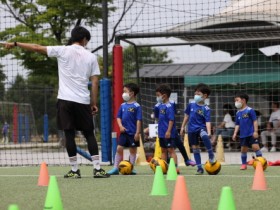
(19, 185)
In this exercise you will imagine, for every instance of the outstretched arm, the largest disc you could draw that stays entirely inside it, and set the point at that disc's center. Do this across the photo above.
(27, 46)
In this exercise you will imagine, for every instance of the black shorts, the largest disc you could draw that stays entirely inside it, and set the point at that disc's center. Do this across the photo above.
(73, 115)
(127, 140)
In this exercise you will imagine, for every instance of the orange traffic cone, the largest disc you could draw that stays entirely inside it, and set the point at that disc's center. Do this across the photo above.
(44, 175)
(259, 182)
(180, 197)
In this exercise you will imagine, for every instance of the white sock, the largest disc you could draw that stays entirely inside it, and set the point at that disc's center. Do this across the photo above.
(95, 162)
(73, 163)
(132, 158)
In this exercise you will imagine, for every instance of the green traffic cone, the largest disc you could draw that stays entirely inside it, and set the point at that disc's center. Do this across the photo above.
(53, 199)
(172, 172)
(159, 186)
(13, 207)
(226, 200)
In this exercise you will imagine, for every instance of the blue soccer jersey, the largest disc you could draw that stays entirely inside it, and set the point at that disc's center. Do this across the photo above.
(165, 113)
(245, 119)
(198, 116)
(129, 113)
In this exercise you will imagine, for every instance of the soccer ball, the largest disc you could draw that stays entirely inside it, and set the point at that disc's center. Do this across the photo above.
(157, 161)
(212, 169)
(262, 160)
(125, 167)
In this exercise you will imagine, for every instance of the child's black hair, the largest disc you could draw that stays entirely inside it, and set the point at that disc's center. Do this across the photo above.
(242, 96)
(164, 89)
(205, 89)
(132, 87)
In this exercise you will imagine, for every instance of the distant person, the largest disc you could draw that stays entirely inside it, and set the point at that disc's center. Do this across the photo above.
(226, 127)
(272, 128)
(129, 121)
(76, 104)
(197, 114)
(5, 133)
(246, 122)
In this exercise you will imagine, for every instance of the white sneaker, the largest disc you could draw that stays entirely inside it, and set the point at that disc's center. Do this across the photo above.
(264, 149)
(273, 149)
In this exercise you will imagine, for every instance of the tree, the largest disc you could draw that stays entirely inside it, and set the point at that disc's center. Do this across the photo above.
(44, 22)
(146, 55)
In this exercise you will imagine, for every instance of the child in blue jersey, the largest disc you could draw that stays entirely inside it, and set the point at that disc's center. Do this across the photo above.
(178, 142)
(129, 120)
(246, 122)
(166, 123)
(197, 114)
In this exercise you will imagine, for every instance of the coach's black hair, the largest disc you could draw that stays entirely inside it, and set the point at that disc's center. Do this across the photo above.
(242, 96)
(203, 88)
(132, 87)
(164, 89)
(78, 34)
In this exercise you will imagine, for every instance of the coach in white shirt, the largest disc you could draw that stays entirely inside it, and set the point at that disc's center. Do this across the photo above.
(76, 104)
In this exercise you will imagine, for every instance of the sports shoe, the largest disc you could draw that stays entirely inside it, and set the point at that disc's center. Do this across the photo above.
(73, 174)
(100, 173)
(273, 149)
(212, 161)
(133, 172)
(190, 163)
(199, 171)
(113, 171)
(264, 149)
(243, 167)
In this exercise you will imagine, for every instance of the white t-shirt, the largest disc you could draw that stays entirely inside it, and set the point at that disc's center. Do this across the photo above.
(228, 121)
(274, 118)
(75, 66)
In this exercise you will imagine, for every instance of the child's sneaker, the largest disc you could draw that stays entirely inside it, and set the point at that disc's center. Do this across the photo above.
(190, 163)
(243, 167)
(212, 160)
(100, 173)
(113, 171)
(133, 172)
(73, 174)
(199, 171)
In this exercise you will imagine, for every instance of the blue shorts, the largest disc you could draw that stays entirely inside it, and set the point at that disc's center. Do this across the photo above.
(248, 141)
(127, 140)
(194, 138)
(167, 143)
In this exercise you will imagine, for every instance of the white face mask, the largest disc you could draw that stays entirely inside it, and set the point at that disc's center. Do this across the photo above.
(125, 96)
(238, 105)
(159, 99)
(198, 98)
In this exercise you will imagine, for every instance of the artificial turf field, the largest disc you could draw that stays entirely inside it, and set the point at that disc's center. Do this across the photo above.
(18, 185)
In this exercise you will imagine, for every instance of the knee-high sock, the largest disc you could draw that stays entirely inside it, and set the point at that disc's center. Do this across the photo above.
(118, 159)
(244, 158)
(132, 158)
(197, 157)
(207, 144)
(258, 153)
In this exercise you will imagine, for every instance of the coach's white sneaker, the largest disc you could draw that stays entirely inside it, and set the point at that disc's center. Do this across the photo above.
(264, 149)
(273, 149)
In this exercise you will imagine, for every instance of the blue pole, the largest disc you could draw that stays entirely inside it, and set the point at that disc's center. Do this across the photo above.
(106, 124)
(27, 127)
(46, 128)
(20, 123)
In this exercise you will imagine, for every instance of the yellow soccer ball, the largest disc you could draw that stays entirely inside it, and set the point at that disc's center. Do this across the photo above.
(157, 161)
(212, 169)
(262, 160)
(125, 167)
